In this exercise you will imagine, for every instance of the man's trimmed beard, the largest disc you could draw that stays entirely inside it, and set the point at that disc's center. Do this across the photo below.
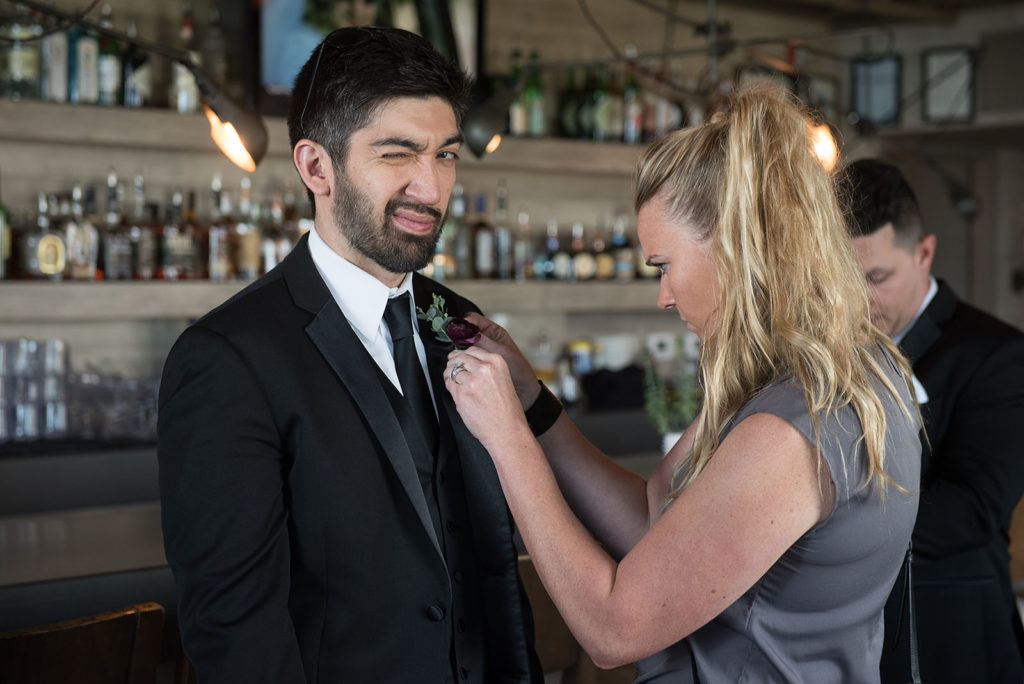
(394, 250)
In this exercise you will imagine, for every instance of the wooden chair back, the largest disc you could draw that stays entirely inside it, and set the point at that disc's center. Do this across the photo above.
(117, 647)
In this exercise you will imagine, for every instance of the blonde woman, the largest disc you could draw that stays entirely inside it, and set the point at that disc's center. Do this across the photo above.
(764, 546)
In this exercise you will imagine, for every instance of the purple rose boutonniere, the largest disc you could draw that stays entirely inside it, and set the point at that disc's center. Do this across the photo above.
(451, 329)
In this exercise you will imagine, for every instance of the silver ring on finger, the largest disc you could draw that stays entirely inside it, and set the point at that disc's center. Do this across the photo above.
(458, 368)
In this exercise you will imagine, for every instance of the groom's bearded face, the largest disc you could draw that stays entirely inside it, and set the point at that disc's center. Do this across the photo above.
(372, 231)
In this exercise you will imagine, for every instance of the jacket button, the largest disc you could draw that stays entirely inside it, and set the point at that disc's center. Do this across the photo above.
(450, 525)
(460, 627)
(435, 612)
(463, 673)
(457, 576)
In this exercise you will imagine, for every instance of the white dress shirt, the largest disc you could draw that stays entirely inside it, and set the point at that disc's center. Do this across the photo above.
(362, 299)
(933, 288)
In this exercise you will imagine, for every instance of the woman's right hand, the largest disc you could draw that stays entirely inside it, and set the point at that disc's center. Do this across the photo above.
(495, 339)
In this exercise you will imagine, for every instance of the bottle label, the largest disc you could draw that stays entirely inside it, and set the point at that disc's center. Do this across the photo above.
(484, 254)
(109, 78)
(50, 255)
(23, 63)
(55, 67)
(87, 56)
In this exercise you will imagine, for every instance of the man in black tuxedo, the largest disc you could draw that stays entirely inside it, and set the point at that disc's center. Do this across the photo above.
(326, 514)
(969, 380)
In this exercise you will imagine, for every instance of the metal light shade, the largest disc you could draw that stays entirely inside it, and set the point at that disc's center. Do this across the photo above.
(484, 122)
(240, 134)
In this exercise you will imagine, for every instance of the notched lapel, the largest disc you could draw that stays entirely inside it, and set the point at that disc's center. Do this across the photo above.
(334, 337)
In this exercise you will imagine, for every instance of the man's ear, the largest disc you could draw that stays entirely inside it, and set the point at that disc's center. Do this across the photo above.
(314, 166)
(925, 252)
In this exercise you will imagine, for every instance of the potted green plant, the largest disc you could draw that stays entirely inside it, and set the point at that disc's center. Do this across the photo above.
(672, 394)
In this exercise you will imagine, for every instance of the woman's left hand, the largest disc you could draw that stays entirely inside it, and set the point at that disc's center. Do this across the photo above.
(485, 397)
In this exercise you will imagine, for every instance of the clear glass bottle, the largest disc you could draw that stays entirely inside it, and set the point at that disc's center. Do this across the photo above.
(518, 113)
(245, 235)
(463, 242)
(41, 248)
(136, 72)
(19, 53)
(483, 240)
(82, 237)
(584, 265)
(504, 266)
(54, 65)
(115, 239)
(522, 249)
(109, 66)
(219, 235)
(142, 233)
(83, 66)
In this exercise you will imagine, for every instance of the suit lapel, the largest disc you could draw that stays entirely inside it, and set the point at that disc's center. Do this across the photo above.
(928, 328)
(337, 342)
(484, 496)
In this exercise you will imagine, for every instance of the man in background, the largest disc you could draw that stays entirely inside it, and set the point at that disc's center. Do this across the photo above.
(969, 380)
(327, 515)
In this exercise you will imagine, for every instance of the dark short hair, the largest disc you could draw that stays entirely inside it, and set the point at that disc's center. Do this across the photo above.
(355, 70)
(873, 194)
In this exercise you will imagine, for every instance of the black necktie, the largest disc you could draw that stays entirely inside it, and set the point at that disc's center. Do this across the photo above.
(410, 372)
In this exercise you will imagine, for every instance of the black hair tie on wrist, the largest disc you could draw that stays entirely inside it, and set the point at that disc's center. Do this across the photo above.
(544, 411)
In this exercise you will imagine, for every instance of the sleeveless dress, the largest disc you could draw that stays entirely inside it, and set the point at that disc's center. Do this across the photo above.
(816, 616)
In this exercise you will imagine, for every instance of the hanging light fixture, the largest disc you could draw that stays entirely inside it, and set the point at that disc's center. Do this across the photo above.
(238, 132)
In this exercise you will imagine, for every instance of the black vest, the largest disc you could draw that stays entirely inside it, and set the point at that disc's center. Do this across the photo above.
(440, 475)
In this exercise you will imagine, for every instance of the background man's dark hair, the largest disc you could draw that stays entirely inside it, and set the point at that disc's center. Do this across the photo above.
(875, 193)
(355, 70)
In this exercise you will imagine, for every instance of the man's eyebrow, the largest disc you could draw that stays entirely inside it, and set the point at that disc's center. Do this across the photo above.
(396, 141)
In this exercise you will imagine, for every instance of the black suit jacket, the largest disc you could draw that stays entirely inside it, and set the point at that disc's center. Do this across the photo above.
(294, 520)
(972, 367)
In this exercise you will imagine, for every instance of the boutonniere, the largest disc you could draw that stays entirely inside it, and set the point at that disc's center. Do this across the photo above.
(451, 329)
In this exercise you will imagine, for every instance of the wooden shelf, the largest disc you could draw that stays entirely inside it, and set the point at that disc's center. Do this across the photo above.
(161, 129)
(69, 302)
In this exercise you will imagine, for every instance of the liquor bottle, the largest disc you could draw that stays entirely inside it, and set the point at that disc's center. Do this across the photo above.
(632, 102)
(81, 236)
(518, 112)
(535, 100)
(462, 248)
(245, 235)
(483, 240)
(277, 242)
(19, 54)
(591, 94)
(109, 63)
(607, 108)
(184, 93)
(561, 266)
(83, 66)
(522, 249)
(290, 206)
(568, 106)
(544, 262)
(115, 238)
(137, 72)
(584, 265)
(442, 264)
(177, 242)
(218, 265)
(40, 248)
(600, 106)
(53, 68)
(604, 262)
(622, 251)
(142, 234)
(503, 256)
